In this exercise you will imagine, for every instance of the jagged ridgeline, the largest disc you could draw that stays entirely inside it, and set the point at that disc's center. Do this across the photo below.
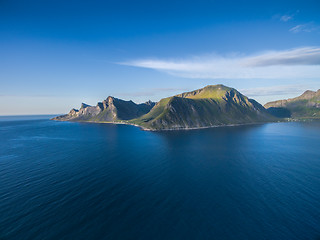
(210, 106)
(110, 110)
(214, 105)
(306, 105)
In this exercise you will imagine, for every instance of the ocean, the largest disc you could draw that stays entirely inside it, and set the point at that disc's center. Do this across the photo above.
(64, 180)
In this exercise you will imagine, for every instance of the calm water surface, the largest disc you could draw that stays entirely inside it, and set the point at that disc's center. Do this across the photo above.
(61, 180)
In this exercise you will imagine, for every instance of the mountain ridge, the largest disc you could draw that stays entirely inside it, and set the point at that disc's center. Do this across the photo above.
(307, 105)
(213, 105)
(110, 110)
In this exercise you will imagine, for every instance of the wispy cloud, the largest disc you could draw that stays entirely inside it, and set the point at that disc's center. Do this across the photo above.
(286, 18)
(294, 90)
(293, 63)
(308, 27)
(298, 56)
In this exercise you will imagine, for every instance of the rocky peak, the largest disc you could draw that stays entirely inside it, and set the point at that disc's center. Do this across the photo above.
(214, 86)
(100, 105)
(83, 105)
(210, 91)
(308, 92)
(307, 95)
(110, 99)
(149, 103)
(107, 102)
(74, 112)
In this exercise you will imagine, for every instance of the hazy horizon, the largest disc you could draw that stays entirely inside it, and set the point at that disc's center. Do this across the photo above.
(93, 104)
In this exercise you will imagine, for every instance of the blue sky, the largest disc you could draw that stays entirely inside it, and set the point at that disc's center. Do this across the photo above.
(56, 54)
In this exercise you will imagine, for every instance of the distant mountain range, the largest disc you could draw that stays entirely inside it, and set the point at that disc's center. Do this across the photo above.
(305, 106)
(213, 105)
(110, 110)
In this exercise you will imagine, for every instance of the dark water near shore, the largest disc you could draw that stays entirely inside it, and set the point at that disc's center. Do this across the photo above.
(61, 180)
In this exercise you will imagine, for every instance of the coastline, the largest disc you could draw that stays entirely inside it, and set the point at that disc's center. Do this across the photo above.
(119, 123)
(178, 129)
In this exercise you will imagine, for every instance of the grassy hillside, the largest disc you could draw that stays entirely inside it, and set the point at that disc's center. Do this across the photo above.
(210, 106)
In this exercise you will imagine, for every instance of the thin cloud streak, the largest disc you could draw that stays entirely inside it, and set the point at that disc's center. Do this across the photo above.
(308, 27)
(294, 90)
(285, 18)
(299, 56)
(294, 63)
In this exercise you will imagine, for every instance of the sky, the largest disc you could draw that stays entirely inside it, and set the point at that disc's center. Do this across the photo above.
(56, 54)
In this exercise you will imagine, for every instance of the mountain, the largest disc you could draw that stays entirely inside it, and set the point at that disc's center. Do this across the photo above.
(110, 110)
(213, 105)
(306, 105)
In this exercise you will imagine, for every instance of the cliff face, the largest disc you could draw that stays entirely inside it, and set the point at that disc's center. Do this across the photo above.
(209, 106)
(306, 105)
(110, 110)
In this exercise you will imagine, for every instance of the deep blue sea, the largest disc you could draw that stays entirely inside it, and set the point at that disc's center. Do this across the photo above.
(62, 180)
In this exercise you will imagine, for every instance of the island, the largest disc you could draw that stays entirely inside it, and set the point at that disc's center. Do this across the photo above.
(211, 106)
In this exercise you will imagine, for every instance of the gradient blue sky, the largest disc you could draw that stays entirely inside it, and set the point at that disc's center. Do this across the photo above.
(56, 54)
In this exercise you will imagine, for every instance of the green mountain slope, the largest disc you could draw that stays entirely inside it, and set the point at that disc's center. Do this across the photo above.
(210, 106)
(305, 106)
